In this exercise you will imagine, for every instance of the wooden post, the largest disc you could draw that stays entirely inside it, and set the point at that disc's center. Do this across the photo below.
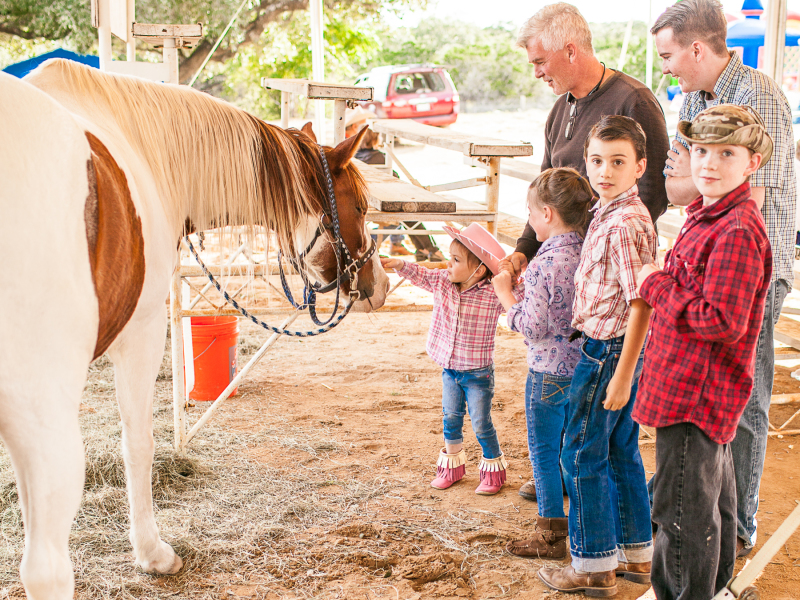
(131, 44)
(390, 148)
(226, 393)
(178, 385)
(104, 33)
(339, 107)
(493, 191)
(285, 99)
(171, 60)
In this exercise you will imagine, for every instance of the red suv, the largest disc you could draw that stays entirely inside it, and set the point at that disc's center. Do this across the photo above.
(424, 93)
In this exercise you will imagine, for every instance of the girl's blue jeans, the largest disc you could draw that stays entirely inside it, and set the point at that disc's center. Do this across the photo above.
(546, 403)
(609, 509)
(469, 391)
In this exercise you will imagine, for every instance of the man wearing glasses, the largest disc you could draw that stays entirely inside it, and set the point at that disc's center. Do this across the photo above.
(559, 46)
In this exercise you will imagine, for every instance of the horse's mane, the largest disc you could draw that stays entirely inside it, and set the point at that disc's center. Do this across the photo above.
(211, 161)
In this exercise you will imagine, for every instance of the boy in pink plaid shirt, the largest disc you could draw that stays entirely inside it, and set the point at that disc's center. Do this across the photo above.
(461, 341)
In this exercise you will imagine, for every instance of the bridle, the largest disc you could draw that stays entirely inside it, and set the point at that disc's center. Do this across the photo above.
(346, 270)
(347, 267)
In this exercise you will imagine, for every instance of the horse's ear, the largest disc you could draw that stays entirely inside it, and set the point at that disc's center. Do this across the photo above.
(309, 131)
(345, 151)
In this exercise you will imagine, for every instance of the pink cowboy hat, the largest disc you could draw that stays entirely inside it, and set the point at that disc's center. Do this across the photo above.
(481, 243)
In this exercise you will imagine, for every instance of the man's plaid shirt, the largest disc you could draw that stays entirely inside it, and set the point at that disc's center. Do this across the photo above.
(463, 326)
(709, 304)
(743, 85)
(621, 239)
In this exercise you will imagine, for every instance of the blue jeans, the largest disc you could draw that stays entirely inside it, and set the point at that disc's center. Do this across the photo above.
(749, 447)
(546, 402)
(473, 391)
(609, 510)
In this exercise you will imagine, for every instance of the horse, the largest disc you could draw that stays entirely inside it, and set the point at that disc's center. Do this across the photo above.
(100, 177)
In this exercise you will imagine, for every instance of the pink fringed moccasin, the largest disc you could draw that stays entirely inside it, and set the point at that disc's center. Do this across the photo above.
(493, 475)
(450, 468)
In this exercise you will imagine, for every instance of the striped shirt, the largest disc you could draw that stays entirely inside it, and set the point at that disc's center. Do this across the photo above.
(743, 85)
(621, 239)
(463, 325)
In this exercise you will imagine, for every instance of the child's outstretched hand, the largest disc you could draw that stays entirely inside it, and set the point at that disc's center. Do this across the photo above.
(503, 282)
(391, 263)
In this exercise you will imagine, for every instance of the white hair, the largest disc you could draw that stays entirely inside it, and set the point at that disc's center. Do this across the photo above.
(556, 25)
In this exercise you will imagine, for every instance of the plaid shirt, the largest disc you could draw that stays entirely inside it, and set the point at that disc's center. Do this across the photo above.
(709, 304)
(461, 335)
(621, 239)
(743, 85)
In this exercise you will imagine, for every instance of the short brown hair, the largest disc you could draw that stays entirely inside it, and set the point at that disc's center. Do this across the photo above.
(619, 127)
(692, 20)
(567, 193)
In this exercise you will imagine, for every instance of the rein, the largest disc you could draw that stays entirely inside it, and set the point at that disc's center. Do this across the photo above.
(346, 268)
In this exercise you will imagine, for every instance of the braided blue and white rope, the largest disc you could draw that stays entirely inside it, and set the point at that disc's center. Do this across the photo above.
(257, 321)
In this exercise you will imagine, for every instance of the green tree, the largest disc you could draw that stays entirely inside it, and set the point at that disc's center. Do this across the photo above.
(69, 21)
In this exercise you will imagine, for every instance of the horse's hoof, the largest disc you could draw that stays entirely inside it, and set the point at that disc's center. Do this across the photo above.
(167, 563)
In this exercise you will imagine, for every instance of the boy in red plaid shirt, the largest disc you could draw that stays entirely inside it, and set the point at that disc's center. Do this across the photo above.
(699, 360)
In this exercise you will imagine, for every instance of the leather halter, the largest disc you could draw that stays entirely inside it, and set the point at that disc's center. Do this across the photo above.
(347, 267)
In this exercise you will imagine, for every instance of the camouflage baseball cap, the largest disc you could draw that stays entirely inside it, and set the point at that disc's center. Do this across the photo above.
(729, 124)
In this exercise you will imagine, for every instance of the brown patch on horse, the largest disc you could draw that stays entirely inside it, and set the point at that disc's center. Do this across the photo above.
(116, 245)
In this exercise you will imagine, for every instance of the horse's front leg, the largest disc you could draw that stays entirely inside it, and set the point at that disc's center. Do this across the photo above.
(137, 355)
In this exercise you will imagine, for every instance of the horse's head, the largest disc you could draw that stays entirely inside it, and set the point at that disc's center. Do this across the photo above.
(351, 195)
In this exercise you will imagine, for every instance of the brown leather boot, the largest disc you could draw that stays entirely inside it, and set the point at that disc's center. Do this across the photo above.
(528, 490)
(549, 540)
(635, 572)
(567, 579)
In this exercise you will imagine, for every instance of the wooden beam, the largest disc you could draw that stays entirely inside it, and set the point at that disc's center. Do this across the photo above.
(468, 145)
(508, 166)
(317, 90)
(186, 36)
(670, 224)
(456, 185)
(780, 399)
(787, 331)
(509, 229)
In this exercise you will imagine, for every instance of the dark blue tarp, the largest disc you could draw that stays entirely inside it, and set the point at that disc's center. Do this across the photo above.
(24, 67)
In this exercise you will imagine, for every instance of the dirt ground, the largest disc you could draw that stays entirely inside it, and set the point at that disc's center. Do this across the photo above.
(372, 386)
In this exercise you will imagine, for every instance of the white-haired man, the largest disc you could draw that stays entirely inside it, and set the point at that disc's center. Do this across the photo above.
(558, 42)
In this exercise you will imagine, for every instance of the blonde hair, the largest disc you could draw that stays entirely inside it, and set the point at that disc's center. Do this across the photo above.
(556, 25)
(211, 161)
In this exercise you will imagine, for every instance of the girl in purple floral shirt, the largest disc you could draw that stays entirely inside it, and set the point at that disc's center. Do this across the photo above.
(558, 205)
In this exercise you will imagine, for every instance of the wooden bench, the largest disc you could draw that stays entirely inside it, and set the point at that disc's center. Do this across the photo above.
(486, 151)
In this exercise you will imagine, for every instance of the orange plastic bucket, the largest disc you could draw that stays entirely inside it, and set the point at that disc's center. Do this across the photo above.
(214, 341)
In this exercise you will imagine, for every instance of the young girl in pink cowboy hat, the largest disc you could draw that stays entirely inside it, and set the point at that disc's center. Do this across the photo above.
(461, 341)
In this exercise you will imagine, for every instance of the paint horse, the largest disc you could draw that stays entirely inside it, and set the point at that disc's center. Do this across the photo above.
(100, 176)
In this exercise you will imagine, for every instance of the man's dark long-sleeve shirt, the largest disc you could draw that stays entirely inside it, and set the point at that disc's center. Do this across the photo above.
(620, 95)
